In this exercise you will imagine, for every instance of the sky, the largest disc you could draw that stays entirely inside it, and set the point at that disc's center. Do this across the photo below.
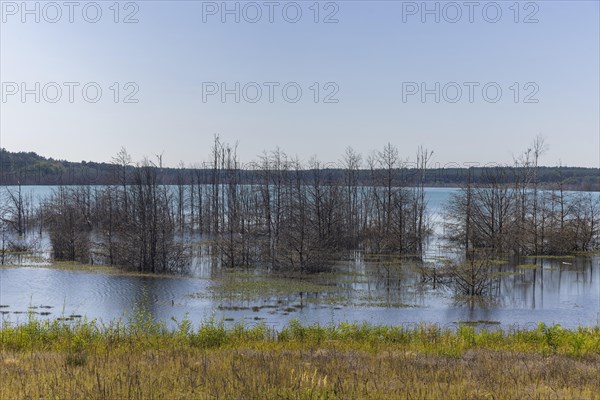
(475, 82)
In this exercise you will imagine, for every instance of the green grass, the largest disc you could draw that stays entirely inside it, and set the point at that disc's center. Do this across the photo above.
(506, 273)
(142, 359)
(236, 288)
(40, 335)
(95, 268)
(554, 257)
(588, 253)
(528, 266)
(247, 286)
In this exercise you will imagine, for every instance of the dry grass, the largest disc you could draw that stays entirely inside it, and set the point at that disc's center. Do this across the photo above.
(143, 361)
(298, 374)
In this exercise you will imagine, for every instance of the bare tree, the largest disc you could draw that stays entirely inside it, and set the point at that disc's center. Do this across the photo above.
(69, 226)
(351, 164)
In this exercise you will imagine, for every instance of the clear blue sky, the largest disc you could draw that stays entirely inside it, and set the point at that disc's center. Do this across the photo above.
(370, 55)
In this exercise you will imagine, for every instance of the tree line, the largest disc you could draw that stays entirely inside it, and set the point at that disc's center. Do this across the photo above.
(285, 214)
(28, 168)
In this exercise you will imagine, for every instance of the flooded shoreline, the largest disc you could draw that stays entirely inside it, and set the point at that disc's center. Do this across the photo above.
(554, 291)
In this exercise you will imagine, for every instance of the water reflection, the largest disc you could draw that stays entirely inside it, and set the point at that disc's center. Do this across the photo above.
(564, 291)
(97, 296)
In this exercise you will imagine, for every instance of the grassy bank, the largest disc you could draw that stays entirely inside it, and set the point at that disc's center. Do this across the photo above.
(142, 360)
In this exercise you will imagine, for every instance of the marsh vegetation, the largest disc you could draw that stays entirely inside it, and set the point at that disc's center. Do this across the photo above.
(141, 359)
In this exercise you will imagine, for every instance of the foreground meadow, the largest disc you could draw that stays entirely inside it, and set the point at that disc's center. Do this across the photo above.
(143, 360)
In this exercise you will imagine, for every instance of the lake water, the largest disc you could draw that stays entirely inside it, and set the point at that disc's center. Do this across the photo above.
(565, 291)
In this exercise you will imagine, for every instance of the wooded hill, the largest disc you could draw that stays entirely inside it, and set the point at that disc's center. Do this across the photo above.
(29, 168)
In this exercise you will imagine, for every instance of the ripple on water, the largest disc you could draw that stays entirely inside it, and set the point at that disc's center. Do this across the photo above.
(569, 296)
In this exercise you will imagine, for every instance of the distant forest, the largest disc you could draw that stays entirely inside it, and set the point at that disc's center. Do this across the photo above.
(29, 168)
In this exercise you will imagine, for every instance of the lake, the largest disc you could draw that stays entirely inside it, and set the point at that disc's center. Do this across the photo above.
(558, 290)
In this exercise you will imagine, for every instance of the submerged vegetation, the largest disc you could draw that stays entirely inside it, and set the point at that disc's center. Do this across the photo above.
(287, 217)
(142, 359)
(245, 286)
